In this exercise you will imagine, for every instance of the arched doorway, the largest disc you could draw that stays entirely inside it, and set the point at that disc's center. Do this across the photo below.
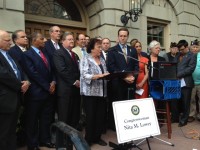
(40, 15)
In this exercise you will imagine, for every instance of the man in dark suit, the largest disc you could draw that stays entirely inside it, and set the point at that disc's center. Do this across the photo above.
(67, 73)
(39, 107)
(20, 40)
(185, 68)
(105, 47)
(52, 44)
(117, 61)
(12, 85)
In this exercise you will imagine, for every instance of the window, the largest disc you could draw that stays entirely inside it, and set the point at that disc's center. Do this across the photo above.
(155, 32)
(53, 8)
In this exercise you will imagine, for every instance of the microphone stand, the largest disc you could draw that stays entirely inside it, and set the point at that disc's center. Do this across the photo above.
(148, 66)
(129, 145)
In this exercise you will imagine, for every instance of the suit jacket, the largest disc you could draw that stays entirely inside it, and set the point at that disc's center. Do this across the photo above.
(155, 75)
(186, 67)
(117, 63)
(78, 51)
(40, 76)
(67, 71)
(10, 87)
(50, 49)
(16, 53)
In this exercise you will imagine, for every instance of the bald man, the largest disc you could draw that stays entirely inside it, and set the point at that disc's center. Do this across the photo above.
(12, 86)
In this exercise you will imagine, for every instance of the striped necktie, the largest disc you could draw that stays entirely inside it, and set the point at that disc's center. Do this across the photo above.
(84, 51)
(124, 52)
(14, 66)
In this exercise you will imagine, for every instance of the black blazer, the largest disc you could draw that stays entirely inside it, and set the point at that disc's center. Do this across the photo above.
(155, 69)
(67, 71)
(50, 49)
(117, 63)
(10, 87)
(16, 53)
(40, 76)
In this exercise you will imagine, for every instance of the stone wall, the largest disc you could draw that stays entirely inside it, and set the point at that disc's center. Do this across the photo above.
(12, 15)
(182, 19)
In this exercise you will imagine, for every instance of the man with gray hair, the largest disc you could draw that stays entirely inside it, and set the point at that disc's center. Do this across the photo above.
(12, 86)
(52, 44)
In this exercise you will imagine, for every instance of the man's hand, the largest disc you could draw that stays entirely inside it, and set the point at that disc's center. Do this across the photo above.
(25, 86)
(52, 87)
(129, 79)
(77, 83)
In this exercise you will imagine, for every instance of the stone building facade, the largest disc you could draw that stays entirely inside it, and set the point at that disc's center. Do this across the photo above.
(165, 20)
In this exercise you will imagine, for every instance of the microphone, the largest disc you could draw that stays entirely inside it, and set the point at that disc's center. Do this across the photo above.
(137, 60)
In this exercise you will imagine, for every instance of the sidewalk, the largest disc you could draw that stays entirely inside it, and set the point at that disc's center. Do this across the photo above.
(180, 138)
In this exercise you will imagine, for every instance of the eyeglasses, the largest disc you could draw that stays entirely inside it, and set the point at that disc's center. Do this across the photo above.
(181, 49)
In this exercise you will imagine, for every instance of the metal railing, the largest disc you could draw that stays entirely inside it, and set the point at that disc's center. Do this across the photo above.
(74, 135)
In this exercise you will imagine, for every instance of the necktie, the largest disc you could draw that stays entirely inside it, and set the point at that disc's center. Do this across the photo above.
(124, 52)
(56, 46)
(44, 58)
(73, 56)
(14, 66)
(84, 51)
(23, 49)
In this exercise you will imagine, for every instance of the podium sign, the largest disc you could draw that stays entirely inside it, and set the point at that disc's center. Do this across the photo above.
(135, 119)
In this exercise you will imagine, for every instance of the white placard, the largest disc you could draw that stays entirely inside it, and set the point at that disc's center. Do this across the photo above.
(135, 119)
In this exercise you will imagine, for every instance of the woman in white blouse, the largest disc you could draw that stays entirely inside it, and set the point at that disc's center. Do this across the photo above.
(94, 90)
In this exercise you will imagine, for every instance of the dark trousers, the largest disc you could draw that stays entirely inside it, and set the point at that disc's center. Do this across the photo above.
(185, 103)
(69, 113)
(182, 105)
(7, 130)
(95, 114)
(38, 120)
(119, 90)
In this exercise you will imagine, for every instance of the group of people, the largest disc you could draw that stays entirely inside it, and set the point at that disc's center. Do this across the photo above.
(57, 76)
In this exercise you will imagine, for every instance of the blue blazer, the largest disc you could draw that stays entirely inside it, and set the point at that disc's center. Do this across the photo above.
(40, 76)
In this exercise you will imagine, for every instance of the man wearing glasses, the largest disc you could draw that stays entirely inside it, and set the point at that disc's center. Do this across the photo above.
(185, 68)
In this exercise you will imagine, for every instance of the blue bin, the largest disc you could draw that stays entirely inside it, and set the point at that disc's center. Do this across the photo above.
(165, 89)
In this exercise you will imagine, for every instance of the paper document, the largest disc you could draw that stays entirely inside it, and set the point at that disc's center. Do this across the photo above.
(139, 91)
(183, 82)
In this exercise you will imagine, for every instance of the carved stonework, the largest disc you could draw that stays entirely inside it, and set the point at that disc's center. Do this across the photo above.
(161, 3)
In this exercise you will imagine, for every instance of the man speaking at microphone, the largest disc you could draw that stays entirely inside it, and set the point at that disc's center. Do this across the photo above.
(122, 58)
